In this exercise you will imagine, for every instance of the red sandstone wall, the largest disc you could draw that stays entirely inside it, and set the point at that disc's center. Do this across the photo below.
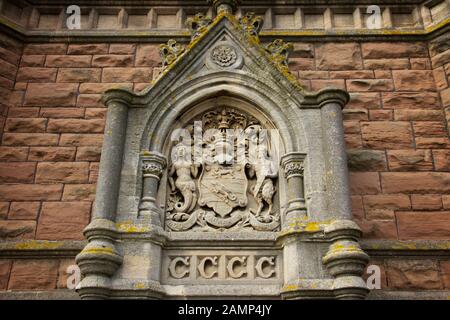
(395, 126)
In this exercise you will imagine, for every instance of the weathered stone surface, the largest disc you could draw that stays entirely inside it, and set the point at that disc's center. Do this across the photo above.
(51, 94)
(127, 75)
(112, 61)
(33, 60)
(62, 112)
(33, 275)
(387, 201)
(66, 61)
(386, 64)
(37, 74)
(415, 182)
(441, 160)
(13, 153)
(89, 101)
(381, 115)
(378, 229)
(426, 202)
(100, 88)
(429, 129)
(392, 50)
(338, 56)
(386, 134)
(424, 100)
(445, 96)
(47, 48)
(148, 55)
(364, 183)
(82, 49)
(366, 160)
(30, 192)
(364, 100)
(441, 59)
(89, 153)
(68, 139)
(71, 172)
(4, 208)
(445, 271)
(410, 160)
(63, 220)
(79, 75)
(23, 112)
(25, 125)
(24, 210)
(75, 125)
(354, 74)
(5, 268)
(370, 85)
(52, 153)
(30, 139)
(413, 274)
(13, 230)
(418, 114)
(17, 172)
(79, 192)
(414, 80)
(122, 48)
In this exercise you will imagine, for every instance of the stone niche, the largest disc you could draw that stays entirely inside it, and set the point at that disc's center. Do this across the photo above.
(223, 179)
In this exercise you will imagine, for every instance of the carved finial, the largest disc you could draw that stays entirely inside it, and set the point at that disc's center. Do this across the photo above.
(252, 23)
(280, 50)
(170, 52)
(226, 6)
(197, 25)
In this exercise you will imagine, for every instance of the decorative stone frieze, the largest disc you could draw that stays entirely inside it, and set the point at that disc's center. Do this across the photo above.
(170, 52)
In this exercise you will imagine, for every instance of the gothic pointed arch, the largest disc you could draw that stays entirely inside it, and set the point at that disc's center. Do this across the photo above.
(273, 221)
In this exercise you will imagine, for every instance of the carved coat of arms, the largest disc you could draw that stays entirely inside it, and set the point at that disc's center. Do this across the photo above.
(232, 186)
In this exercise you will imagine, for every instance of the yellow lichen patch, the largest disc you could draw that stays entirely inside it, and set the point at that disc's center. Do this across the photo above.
(290, 287)
(139, 285)
(129, 227)
(108, 251)
(38, 245)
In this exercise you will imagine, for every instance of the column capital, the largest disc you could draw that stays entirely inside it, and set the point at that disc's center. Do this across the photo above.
(153, 163)
(293, 164)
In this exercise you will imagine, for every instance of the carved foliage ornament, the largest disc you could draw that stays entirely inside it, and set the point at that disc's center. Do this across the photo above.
(233, 185)
(170, 52)
(279, 51)
(251, 23)
(198, 24)
(224, 55)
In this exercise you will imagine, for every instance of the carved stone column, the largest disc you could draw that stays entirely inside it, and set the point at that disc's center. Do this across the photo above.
(292, 164)
(332, 103)
(99, 260)
(153, 165)
(345, 260)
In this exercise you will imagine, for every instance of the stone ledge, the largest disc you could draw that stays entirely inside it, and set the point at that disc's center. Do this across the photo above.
(375, 248)
(40, 249)
(61, 294)
(409, 295)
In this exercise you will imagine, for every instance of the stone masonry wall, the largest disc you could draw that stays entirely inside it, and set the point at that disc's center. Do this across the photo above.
(52, 124)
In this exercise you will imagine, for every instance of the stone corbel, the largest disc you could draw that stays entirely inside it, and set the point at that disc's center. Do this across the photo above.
(99, 260)
(345, 260)
(293, 166)
(153, 166)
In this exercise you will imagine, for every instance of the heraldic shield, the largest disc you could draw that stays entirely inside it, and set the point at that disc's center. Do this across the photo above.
(223, 188)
